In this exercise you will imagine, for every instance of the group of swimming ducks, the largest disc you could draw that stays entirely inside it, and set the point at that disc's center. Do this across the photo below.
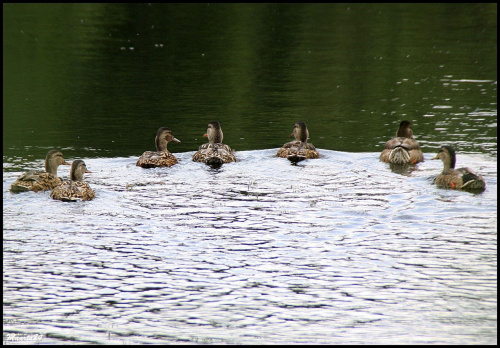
(401, 150)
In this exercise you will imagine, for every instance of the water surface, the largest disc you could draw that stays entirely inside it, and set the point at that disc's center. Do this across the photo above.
(334, 250)
(100, 79)
(340, 250)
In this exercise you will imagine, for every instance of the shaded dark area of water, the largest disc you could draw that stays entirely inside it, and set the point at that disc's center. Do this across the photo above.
(100, 79)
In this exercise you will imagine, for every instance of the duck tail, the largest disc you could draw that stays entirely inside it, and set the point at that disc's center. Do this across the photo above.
(473, 182)
(399, 155)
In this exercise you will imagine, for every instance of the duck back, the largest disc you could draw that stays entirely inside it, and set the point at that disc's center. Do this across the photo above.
(402, 150)
(152, 159)
(217, 154)
(462, 178)
(296, 151)
(72, 191)
(35, 181)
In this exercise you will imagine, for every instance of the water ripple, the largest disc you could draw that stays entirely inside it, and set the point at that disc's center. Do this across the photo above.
(336, 250)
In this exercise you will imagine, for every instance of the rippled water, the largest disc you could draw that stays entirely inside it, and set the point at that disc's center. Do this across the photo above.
(335, 250)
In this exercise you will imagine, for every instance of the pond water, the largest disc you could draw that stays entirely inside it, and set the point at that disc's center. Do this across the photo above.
(334, 250)
(342, 249)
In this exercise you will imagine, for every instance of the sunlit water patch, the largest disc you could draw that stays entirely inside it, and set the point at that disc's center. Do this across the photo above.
(340, 249)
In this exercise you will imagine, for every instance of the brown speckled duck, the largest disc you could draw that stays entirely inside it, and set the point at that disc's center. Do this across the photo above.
(215, 153)
(161, 157)
(75, 189)
(41, 181)
(403, 149)
(299, 149)
(461, 178)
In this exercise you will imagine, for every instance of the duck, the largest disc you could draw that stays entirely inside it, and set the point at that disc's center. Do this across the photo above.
(214, 153)
(161, 157)
(403, 149)
(41, 181)
(459, 179)
(75, 189)
(299, 149)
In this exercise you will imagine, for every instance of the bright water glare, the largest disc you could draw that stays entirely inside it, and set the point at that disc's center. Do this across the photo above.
(338, 249)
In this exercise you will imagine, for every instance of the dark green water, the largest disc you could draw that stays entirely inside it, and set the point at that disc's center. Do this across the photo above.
(98, 80)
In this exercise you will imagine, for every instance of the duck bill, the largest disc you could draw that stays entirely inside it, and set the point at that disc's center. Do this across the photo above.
(435, 157)
(88, 171)
(175, 140)
(66, 163)
(291, 135)
(205, 135)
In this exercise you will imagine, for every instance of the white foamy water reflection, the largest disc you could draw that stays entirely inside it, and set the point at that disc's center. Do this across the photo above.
(335, 250)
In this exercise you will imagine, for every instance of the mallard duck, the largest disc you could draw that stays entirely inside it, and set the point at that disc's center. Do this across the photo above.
(214, 153)
(41, 181)
(161, 157)
(75, 189)
(299, 149)
(403, 149)
(461, 178)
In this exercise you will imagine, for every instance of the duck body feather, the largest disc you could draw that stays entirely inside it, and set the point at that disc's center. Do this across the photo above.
(72, 191)
(151, 159)
(460, 179)
(35, 181)
(296, 151)
(402, 150)
(214, 154)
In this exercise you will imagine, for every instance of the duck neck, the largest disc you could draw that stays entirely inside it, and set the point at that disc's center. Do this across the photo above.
(404, 133)
(303, 136)
(51, 167)
(161, 144)
(77, 175)
(217, 137)
(450, 163)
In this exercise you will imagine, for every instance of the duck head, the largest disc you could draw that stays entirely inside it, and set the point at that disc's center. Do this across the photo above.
(78, 168)
(163, 137)
(405, 130)
(214, 133)
(53, 159)
(447, 155)
(300, 132)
